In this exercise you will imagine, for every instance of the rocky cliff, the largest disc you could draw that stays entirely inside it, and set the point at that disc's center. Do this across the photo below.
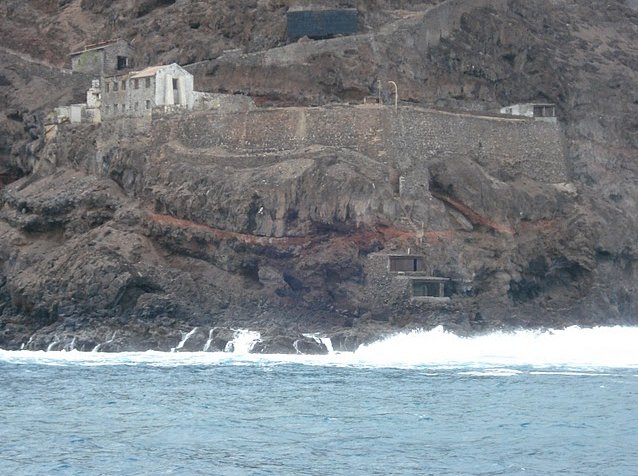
(131, 233)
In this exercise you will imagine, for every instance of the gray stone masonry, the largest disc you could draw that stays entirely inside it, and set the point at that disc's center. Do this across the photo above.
(139, 92)
(411, 139)
(103, 59)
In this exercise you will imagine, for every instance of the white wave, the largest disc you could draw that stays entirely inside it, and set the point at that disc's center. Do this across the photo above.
(243, 341)
(574, 350)
(320, 339)
(574, 346)
(99, 346)
(209, 341)
(492, 373)
(185, 337)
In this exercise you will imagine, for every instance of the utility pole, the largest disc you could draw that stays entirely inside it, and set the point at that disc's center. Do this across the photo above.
(396, 95)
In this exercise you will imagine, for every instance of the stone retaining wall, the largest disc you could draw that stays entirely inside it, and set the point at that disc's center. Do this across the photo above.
(412, 137)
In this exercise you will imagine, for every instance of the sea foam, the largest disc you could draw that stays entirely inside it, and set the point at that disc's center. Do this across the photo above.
(571, 348)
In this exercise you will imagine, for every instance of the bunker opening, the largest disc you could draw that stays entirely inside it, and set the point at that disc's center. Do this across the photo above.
(406, 264)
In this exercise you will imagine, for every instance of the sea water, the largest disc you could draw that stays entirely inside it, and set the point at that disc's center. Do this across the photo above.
(525, 403)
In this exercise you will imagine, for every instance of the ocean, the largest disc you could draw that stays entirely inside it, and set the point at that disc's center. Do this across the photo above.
(561, 402)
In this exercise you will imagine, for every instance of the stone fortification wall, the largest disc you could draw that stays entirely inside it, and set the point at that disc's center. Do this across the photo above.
(506, 148)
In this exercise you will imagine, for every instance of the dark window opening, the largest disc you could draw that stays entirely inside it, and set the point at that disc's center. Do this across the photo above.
(122, 62)
(116, 86)
(123, 85)
(406, 264)
(176, 98)
(428, 289)
(136, 84)
(148, 82)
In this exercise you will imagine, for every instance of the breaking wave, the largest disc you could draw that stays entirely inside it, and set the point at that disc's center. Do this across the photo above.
(571, 348)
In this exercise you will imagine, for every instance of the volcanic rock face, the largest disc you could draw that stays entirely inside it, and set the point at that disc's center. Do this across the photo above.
(127, 235)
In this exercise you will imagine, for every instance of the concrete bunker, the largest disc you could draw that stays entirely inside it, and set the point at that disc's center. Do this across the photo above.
(408, 277)
(538, 111)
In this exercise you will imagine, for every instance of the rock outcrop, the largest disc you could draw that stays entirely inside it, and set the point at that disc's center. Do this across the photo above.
(126, 235)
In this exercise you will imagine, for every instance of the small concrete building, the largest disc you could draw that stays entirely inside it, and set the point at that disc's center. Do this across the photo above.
(137, 93)
(319, 21)
(538, 111)
(105, 58)
(405, 278)
(421, 286)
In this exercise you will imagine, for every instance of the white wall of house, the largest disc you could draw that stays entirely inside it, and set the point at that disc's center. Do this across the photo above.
(174, 87)
(537, 111)
(76, 113)
(526, 110)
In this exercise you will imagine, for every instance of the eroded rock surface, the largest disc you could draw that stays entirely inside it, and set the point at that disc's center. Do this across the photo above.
(127, 236)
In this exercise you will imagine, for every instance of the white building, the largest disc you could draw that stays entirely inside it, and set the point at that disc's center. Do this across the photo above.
(137, 93)
(539, 111)
(156, 89)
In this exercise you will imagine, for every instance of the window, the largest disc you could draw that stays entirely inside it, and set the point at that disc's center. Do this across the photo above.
(176, 97)
(123, 85)
(108, 86)
(406, 264)
(116, 86)
(136, 84)
(148, 82)
(136, 106)
(428, 289)
(148, 104)
(114, 108)
(107, 109)
(123, 107)
(122, 62)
